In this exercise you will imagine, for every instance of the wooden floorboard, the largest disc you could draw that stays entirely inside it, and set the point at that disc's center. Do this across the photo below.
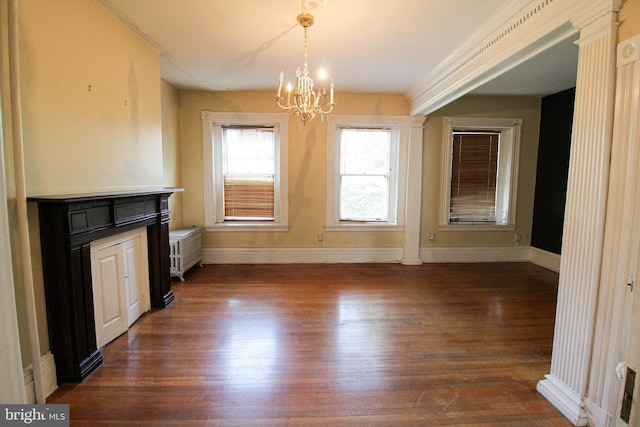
(331, 345)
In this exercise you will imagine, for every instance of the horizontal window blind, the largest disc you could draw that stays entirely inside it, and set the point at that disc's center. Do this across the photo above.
(248, 198)
(248, 172)
(474, 169)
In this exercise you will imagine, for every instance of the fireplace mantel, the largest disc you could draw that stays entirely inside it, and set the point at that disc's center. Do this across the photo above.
(68, 225)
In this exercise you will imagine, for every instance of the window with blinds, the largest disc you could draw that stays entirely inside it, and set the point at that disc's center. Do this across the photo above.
(474, 172)
(248, 170)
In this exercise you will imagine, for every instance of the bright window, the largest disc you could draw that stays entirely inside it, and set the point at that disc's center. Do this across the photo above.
(365, 157)
(245, 171)
(366, 172)
(248, 172)
(480, 170)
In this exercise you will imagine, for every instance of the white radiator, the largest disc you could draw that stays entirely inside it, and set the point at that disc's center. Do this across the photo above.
(185, 250)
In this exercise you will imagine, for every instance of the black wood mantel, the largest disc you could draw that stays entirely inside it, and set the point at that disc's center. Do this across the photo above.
(68, 225)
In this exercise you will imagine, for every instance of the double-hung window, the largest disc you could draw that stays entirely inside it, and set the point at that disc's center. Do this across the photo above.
(480, 170)
(366, 172)
(248, 172)
(245, 171)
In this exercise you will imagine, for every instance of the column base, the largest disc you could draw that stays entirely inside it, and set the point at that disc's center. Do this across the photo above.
(411, 261)
(564, 399)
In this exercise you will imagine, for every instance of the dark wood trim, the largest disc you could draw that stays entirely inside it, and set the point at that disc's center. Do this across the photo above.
(68, 225)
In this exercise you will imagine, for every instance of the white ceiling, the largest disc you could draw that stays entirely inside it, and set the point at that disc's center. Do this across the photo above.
(365, 45)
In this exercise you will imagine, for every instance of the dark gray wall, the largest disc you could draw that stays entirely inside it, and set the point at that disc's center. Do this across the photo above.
(556, 119)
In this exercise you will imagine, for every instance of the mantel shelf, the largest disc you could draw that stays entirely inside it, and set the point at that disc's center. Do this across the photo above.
(70, 198)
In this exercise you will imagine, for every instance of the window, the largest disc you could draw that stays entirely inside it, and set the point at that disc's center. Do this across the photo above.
(248, 172)
(364, 174)
(474, 169)
(480, 173)
(245, 171)
(367, 172)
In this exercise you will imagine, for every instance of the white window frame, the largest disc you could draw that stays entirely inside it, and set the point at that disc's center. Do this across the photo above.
(400, 126)
(213, 184)
(508, 166)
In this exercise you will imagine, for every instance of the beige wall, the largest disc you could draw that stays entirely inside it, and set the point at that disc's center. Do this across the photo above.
(91, 105)
(171, 164)
(308, 164)
(307, 169)
(527, 108)
(91, 100)
(629, 20)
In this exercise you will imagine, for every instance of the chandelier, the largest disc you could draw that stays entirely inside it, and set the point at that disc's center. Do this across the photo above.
(307, 102)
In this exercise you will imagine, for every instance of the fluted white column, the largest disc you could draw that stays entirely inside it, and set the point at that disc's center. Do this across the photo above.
(582, 244)
(618, 261)
(12, 376)
(413, 200)
(12, 388)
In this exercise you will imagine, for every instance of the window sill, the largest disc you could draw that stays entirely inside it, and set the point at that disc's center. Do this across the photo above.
(248, 226)
(365, 226)
(477, 227)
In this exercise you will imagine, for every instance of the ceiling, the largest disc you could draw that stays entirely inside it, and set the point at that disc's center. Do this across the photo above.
(376, 46)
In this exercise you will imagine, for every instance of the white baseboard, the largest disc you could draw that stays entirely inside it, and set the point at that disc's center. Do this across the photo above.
(545, 259)
(475, 254)
(300, 255)
(48, 377)
(379, 255)
(566, 400)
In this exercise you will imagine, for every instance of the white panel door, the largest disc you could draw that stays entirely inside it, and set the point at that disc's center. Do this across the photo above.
(107, 271)
(131, 254)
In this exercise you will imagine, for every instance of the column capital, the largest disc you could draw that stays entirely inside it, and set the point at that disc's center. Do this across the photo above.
(629, 51)
(602, 12)
(417, 121)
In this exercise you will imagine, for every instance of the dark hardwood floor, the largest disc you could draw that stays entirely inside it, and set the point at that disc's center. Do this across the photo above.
(330, 345)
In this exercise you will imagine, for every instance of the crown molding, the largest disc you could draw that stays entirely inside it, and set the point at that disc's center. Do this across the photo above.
(519, 31)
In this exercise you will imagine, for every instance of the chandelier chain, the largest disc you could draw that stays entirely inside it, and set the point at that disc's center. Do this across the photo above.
(305, 48)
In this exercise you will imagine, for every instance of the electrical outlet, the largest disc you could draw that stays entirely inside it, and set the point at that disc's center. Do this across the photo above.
(320, 237)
